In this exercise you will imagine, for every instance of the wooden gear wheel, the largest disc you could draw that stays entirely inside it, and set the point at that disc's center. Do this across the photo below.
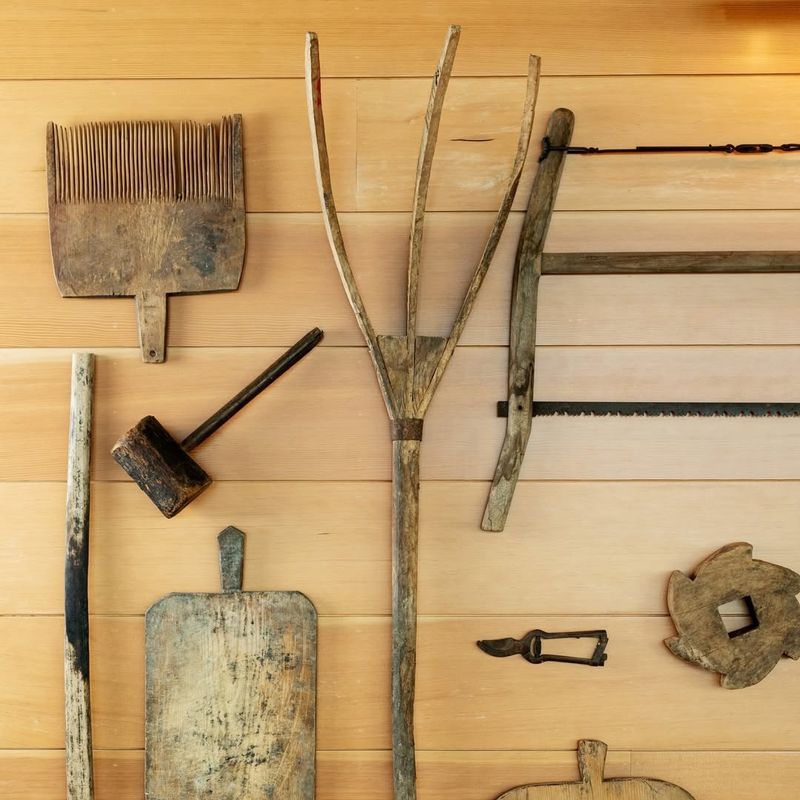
(745, 656)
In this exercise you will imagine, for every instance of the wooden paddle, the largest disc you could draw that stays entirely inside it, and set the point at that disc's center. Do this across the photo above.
(230, 691)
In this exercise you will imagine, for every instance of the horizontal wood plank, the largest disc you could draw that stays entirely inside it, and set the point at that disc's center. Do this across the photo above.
(278, 171)
(341, 775)
(344, 435)
(728, 776)
(374, 128)
(365, 775)
(466, 700)
(643, 698)
(39, 774)
(331, 541)
(93, 40)
(607, 507)
(290, 284)
(481, 121)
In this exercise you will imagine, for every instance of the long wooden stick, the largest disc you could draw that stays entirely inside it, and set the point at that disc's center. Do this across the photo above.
(427, 147)
(319, 147)
(471, 295)
(409, 369)
(77, 707)
(522, 343)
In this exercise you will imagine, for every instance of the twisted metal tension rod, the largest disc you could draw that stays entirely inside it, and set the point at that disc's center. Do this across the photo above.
(750, 149)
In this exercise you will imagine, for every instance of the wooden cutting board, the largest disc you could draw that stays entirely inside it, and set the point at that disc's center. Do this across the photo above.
(592, 784)
(230, 691)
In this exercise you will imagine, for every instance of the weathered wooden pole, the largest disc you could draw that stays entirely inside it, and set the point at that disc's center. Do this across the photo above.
(77, 705)
(522, 334)
(409, 369)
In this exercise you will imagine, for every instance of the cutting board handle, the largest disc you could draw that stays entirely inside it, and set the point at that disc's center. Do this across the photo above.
(231, 559)
(151, 309)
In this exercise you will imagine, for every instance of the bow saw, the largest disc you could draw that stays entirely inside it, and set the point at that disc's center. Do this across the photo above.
(532, 263)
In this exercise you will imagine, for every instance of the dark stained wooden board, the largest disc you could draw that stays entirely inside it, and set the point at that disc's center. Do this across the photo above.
(230, 697)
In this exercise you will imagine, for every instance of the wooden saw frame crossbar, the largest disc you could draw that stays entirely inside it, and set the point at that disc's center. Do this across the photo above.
(409, 369)
(532, 263)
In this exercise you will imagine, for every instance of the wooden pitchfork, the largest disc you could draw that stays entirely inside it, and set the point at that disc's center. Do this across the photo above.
(409, 369)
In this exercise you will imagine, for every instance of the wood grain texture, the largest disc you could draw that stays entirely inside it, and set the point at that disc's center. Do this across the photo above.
(479, 128)
(146, 209)
(727, 262)
(578, 547)
(320, 538)
(593, 785)
(160, 466)
(746, 653)
(581, 39)
(522, 330)
(77, 688)
(730, 775)
(344, 775)
(287, 284)
(463, 431)
(409, 368)
(278, 173)
(330, 218)
(465, 701)
(374, 128)
(427, 148)
(230, 696)
(39, 774)
(364, 775)
(405, 560)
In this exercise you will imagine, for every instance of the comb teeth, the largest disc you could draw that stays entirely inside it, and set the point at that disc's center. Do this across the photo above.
(140, 162)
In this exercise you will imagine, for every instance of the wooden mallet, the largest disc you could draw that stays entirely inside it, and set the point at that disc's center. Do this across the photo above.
(163, 468)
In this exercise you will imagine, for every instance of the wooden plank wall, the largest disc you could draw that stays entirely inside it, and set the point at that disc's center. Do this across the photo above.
(607, 508)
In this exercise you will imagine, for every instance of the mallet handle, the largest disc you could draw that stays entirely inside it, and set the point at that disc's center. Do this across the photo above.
(269, 375)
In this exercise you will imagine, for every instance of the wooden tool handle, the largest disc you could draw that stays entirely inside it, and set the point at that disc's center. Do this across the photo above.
(522, 339)
(592, 762)
(231, 559)
(77, 706)
(405, 536)
(151, 310)
(294, 354)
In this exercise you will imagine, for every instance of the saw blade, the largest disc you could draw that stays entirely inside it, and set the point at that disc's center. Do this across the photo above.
(570, 408)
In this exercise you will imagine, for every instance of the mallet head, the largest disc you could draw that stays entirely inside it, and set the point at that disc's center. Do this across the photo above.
(164, 471)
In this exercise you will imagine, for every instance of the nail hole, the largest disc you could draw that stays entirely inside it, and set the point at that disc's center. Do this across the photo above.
(739, 616)
(152, 353)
